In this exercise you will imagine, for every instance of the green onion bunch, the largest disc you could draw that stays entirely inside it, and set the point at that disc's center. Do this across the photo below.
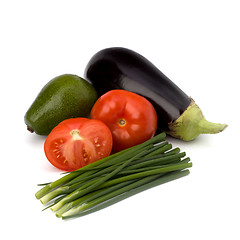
(114, 178)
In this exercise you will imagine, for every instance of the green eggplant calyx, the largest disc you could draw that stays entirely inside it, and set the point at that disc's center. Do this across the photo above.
(192, 123)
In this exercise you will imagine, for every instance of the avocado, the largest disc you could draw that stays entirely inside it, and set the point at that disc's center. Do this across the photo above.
(65, 96)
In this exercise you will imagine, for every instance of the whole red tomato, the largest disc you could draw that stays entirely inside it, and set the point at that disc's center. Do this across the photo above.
(131, 118)
(76, 142)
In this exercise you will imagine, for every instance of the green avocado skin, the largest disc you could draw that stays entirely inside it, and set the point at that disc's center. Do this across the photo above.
(65, 96)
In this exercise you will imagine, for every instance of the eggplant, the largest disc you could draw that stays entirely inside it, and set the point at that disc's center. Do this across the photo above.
(122, 68)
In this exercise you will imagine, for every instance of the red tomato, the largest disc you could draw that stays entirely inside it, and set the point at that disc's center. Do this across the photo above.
(131, 118)
(77, 142)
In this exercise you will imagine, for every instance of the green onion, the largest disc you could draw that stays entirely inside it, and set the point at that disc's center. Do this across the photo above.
(91, 196)
(80, 192)
(114, 178)
(127, 152)
(121, 194)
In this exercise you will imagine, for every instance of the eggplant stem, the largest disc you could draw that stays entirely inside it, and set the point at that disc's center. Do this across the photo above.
(206, 127)
(192, 123)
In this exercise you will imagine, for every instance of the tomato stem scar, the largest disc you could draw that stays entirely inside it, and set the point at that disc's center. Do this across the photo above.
(122, 122)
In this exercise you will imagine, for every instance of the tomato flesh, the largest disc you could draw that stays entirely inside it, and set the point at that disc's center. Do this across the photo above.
(77, 142)
(131, 118)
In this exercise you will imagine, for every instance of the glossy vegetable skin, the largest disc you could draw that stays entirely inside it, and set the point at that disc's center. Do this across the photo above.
(65, 96)
(131, 118)
(121, 68)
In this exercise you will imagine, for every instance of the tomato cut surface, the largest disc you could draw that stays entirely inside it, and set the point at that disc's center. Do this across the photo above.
(131, 118)
(77, 142)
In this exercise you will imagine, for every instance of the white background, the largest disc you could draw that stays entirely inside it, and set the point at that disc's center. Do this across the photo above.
(194, 43)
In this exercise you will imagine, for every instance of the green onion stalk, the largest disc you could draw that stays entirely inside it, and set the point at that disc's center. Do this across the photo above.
(114, 178)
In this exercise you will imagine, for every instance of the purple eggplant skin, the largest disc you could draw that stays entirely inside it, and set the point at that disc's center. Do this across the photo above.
(122, 68)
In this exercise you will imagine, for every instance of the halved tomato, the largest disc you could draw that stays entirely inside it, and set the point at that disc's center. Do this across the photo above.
(77, 142)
